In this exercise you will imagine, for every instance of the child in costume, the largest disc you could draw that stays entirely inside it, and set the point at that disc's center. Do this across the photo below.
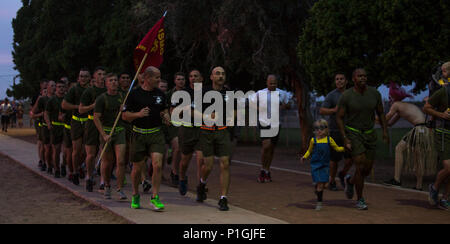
(319, 150)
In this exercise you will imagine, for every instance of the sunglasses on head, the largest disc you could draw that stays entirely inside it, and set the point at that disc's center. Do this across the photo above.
(322, 127)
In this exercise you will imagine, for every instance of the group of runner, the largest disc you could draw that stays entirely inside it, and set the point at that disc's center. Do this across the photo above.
(353, 113)
(81, 117)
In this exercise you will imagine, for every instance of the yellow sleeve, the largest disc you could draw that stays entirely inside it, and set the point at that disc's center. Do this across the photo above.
(335, 146)
(310, 149)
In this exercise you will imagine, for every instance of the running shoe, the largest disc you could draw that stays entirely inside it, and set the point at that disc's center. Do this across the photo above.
(107, 193)
(433, 196)
(82, 174)
(40, 164)
(342, 179)
(57, 174)
(70, 178)
(89, 185)
(76, 179)
(223, 204)
(268, 178)
(319, 206)
(349, 191)
(443, 204)
(50, 170)
(43, 167)
(63, 171)
(156, 204)
(361, 205)
(175, 180)
(392, 182)
(262, 177)
(136, 202)
(183, 187)
(122, 195)
(201, 193)
(146, 185)
(102, 187)
(332, 186)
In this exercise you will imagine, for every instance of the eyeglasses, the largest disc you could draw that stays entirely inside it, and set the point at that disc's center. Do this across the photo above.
(322, 127)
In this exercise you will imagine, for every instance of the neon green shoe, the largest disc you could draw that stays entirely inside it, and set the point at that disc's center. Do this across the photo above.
(156, 204)
(135, 202)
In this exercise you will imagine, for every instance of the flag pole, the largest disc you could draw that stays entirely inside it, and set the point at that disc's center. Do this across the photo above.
(120, 111)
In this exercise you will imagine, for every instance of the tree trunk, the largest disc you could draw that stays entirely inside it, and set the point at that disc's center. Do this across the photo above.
(302, 97)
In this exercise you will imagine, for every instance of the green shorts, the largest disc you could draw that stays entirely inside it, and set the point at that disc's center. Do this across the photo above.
(91, 134)
(363, 143)
(77, 130)
(44, 135)
(442, 141)
(172, 132)
(189, 139)
(142, 145)
(57, 135)
(118, 138)
(215, 143)
(66, 138)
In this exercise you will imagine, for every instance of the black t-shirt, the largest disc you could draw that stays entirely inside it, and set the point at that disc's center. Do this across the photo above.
(155, 100)
(225, 98)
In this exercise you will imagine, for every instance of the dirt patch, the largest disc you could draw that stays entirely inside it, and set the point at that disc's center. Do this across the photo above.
(30, 199)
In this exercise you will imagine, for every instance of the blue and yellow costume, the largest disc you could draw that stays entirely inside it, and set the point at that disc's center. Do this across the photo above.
(319, 150)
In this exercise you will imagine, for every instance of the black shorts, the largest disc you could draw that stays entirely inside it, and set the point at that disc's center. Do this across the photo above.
(5, 119)
(338, 156)
(274, 139)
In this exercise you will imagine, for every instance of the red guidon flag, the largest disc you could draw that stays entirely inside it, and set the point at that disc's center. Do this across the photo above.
(153, 44)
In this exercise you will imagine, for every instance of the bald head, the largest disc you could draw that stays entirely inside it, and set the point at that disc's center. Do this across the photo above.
(151, 71)
(152, 77)
(218, 76)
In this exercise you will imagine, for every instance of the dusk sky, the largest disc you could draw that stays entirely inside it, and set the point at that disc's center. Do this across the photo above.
(8, 9)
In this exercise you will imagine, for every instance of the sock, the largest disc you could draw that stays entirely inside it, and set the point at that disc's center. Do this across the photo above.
(319, 196)
(222, 197)
(202, 181)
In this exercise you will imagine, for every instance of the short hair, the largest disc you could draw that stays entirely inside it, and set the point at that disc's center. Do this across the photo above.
(179, 74)
(109, 75)
(124, 73)
(192, 70)
(60, 82)
(356, 70)
(277, 77)
(85, 69)
(150, 71)
(446, 66)
(99, 68)
(340, 73)
(164, 81)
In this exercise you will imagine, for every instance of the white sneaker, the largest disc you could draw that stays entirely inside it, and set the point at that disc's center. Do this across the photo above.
(107, 193)
(318, 206)
(122, 195)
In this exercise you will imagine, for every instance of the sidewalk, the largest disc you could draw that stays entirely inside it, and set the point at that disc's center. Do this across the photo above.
(179, 209)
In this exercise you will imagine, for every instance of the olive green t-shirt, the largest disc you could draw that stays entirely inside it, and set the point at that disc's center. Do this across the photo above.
(109, 107)
(73, 96)
(53, 107)
(360, 108)
(89, 96)
(42, 103)
(439, 100)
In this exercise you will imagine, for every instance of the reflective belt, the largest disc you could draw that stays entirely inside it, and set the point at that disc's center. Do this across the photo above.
(58, 123)
(442, 130)
(42, 124)
(182, 123)
(213, 128)
(79, 119)
(91, 117)
(359, 131)
(109, 129)
(146, 131)
(67, 126)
